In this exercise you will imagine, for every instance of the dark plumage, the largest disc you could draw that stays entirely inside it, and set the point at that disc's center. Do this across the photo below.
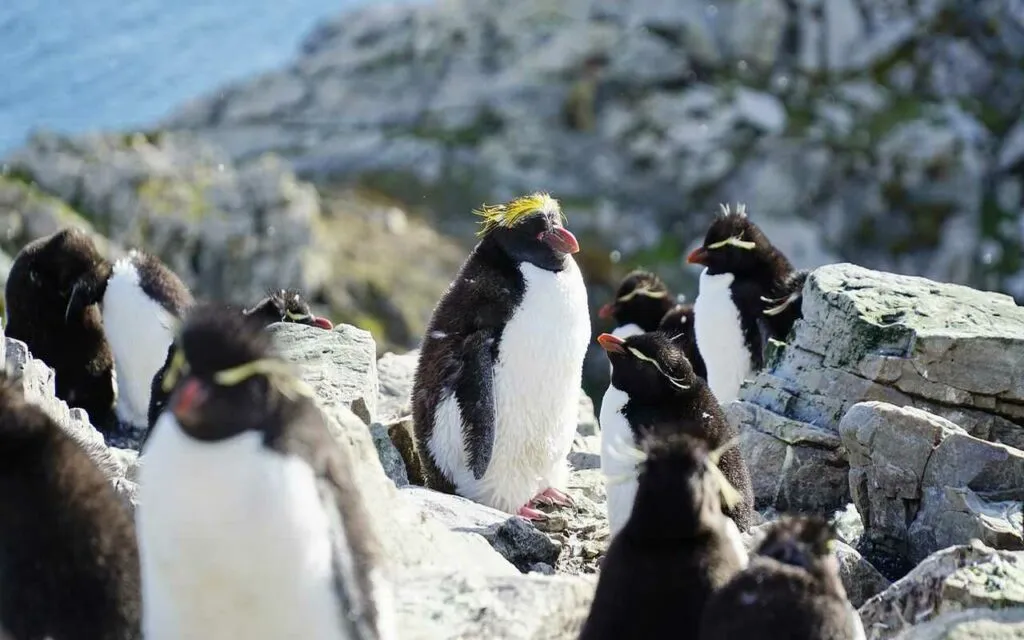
(641, 299)
(677, 324)
(790, 591)
(69, 560)
(782, 311)
(273, 403)
(663, 390)
(50, 296)
(673, 553)
(286, 305)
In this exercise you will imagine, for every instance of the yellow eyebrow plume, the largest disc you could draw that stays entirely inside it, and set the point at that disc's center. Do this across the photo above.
(512, 213)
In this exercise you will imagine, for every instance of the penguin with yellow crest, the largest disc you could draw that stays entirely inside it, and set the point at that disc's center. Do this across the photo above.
(496, 391)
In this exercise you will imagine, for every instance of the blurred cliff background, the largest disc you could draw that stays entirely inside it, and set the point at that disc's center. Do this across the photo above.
(339, 146)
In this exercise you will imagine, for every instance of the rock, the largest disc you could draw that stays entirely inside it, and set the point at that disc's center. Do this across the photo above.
(587, 422)
(972, 624)
(403, 437)
(516, 540)
(849, 525)
(349, 379)
(951, 351)
(395, 374)
(390, 458)
(955, 579)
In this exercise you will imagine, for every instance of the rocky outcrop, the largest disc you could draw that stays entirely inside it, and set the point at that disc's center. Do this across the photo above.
(970, 580)
(885, 132)
(955, 352)
(972, 624)
(922, 483)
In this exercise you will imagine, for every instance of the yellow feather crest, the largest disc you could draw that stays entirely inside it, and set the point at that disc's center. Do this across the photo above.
(515, 211)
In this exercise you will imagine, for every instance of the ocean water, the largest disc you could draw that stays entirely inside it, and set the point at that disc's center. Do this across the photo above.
(81, 65)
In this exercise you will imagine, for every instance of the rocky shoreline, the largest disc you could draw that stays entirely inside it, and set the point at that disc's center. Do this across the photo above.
(948, 501)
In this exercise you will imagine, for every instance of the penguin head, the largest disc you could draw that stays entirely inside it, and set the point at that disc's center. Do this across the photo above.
(66, 268)
(680, 469)
(224, 377)
(530, 229)
(642, 299)
(733, 244)
(801, 541)
(648, 366)
(286, 305)
(20, 421)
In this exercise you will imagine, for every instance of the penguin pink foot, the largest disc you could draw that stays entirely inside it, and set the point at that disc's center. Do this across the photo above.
(553, 496)
(528, 512)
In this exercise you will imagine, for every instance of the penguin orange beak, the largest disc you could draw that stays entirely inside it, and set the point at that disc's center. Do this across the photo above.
(323, 323)
(560, 239)
(606, 311)
(187, 401)
(698, 256)
(610, 343)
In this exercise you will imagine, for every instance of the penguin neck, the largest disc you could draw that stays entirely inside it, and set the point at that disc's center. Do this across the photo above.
(665, 513)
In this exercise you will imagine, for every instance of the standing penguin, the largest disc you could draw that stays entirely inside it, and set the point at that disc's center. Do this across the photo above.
(741, 268)
(791, 590)
(70, 565)
(47, 293)
(674, 551)
(678, 324)
(142, 303)
(653, 383)
(251, 524)
(496, 388)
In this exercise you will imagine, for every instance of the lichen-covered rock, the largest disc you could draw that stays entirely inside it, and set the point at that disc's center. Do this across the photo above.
(954, 352)
(874, 129)
(231, 233)
(955, 579)
(972, 624)
(395, 375)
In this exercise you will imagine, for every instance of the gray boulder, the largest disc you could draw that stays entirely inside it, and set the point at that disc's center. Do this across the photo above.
(395, 374)
(946, 349)
(956, 579)
(972, 624)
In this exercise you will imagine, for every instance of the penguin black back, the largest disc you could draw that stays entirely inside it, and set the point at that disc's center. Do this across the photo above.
(674, 551)
(663, 390)
(67, 543)
(790, 591)
(677, 324)
(51, 293)
(641, 299)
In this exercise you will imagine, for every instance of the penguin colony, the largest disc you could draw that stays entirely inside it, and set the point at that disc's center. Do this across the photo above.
(251, 523)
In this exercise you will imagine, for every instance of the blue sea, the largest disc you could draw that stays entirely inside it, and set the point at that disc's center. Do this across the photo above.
(81, 65)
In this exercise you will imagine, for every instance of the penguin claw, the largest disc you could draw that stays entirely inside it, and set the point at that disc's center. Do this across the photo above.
(552, 496)
(530, 513)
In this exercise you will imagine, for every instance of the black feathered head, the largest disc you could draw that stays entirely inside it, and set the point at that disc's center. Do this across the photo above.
(642, 299)
(529, 229)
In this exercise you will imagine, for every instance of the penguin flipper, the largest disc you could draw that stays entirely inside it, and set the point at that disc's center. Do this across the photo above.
(474, 392)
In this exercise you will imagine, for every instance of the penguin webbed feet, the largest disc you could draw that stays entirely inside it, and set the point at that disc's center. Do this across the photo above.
(529, 513)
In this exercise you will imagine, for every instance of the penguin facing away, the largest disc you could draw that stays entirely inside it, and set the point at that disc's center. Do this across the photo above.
(280, 305)
(142, 304)
(70, 565)
(741, 267)
(496, 388)
(251, 524)
(678, 324)
(654, 384)
(791, 590)
(673, 552)
(47, 308)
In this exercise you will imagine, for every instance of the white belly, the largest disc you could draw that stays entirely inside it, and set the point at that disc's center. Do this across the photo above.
(627, 330)
(537, 380)
(139, 331)
(234, 542)
(619, 468)
(719, 333)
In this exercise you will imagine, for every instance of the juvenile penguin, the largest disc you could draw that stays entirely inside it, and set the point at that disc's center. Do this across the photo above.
(46, 292)
(654, 384)
(251, 524)
(496, 388)
(280, 305)
(674, 551)
(142, 303)
(791, 590)
(741, 267)
(69, 565)
(286, 305)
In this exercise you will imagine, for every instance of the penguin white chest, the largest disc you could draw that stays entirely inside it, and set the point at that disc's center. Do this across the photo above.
(139, 331)
(537, 378)
(720, 338)
(234, 542)
(618, 467)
